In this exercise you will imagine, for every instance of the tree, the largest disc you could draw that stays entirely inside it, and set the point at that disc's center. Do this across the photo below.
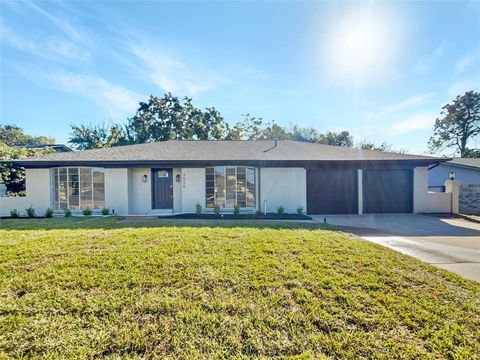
(13, 135)
(86, 137)
(14, 176)
(169, 118)
(158, 119)
(298, 133)
(250, 128)
(342, 138)
(369, 145)
(276, 132)
(472, 153)
(460, 124)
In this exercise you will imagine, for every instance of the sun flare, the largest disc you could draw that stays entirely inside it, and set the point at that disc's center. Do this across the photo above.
(360, 46)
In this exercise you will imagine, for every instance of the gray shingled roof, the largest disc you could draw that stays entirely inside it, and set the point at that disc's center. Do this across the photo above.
(243, 150)
(468, 162)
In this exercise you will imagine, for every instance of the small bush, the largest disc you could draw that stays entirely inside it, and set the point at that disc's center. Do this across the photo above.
(87, 212)
(67, 213)
(258, 213)
(280, 210)
(236, 210)
(217, 209)
(30, 211)
(105, 211)
(300, 210)
(14, 213)
(198, 208)
(49, 213)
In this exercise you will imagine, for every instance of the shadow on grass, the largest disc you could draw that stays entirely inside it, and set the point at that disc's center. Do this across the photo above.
(116, 222)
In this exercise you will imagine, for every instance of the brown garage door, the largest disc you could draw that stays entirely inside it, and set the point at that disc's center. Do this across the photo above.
(332, 191)
(387, 191)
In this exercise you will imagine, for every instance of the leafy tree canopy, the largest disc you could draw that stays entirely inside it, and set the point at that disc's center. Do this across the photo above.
(459, 124)
(13, 135)
(370, 145)
(85, 137)
(342, 138)
(171, 118)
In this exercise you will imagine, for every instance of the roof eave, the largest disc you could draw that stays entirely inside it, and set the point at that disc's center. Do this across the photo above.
(476, 168)
(197, 163)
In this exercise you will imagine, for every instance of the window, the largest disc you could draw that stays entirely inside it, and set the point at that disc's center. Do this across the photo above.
(77, 188)
(229, 186)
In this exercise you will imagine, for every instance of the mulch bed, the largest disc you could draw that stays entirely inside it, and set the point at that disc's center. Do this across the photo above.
(268, 216)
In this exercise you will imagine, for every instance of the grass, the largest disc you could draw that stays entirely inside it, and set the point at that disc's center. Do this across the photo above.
(106, 287)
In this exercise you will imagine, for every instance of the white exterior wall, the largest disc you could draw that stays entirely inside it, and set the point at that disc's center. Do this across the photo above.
(192, 188)
(38, 190)
(177, 190)
(285, 187)
(420, 189)
(140, 193)
(117, 190)
(425, 201)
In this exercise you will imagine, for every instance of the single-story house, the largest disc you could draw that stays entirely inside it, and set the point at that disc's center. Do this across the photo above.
(174, 176)
(467, 172)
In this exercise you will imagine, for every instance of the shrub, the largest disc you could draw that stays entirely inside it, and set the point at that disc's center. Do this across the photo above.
(280, 210)
(217, 209)
(49, 213)
(300, 210)
(105, 211)
(67, 213)
(30, 211)
(14, 213)
(258, 213)
(198, 208)
(236, 210)
(87, 212)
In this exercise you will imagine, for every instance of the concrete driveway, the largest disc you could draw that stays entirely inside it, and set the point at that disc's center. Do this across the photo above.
(449, 243)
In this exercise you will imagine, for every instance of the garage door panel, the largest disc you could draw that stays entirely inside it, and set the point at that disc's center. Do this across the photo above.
(387, 191)
(332, 191)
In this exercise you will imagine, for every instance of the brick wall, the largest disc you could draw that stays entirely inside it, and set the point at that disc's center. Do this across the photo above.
(469, 199)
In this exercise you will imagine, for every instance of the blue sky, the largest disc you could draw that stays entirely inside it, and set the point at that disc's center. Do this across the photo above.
(381, 70)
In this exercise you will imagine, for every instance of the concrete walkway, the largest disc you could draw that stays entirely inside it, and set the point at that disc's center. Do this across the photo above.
(449, 243)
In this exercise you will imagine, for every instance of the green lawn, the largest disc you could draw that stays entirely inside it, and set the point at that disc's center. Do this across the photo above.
(91, 287)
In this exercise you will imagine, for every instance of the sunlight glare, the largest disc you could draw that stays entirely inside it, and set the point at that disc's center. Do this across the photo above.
(360, 46)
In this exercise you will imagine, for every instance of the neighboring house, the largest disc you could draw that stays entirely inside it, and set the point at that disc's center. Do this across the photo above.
(55, 147)
(467, 172)
(173, 176)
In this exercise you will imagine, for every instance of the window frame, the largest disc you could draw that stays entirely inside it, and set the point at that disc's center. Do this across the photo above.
(89, 188)
(248, 183)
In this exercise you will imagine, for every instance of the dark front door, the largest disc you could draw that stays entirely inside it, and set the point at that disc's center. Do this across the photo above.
(162, 189)
(387, 191)
(332, 191)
